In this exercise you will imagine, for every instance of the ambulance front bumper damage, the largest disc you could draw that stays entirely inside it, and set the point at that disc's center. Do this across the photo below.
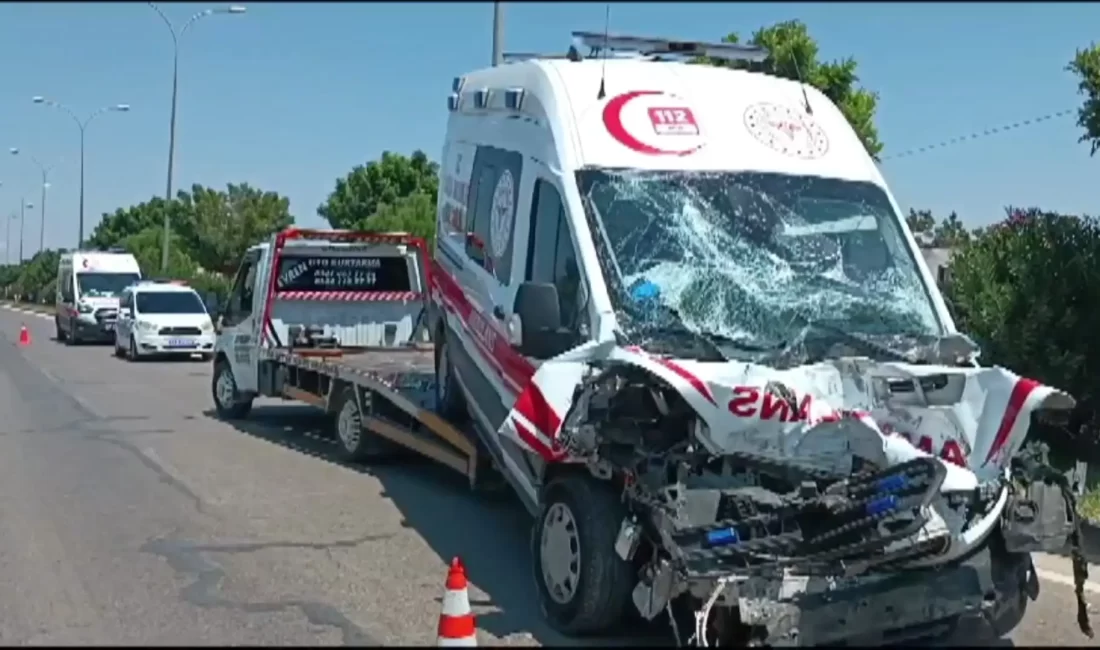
(821, 528)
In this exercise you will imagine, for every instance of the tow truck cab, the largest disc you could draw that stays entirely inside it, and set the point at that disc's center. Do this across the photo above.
(348, 294)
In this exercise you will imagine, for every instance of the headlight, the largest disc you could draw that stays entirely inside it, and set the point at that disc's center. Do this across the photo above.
(208, 326)
(145, 325)
(84, 308)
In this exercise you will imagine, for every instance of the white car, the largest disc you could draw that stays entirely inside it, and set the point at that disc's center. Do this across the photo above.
(160, 319)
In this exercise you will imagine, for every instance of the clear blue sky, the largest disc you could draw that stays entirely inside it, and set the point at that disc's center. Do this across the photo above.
(290, 96)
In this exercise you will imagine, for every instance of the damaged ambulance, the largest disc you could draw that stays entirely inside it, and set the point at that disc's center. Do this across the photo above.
(679, 307)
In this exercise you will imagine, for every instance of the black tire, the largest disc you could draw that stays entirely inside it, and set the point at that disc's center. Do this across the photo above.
(73, 338)
(365, 447)
(207, 357)
(131, 351)
(449, 400)
(119, 352)
(599, 601)
(240, 407)
(59, 334)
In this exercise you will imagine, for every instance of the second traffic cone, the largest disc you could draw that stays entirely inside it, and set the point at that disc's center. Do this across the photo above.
(24, 336)
(456, 621)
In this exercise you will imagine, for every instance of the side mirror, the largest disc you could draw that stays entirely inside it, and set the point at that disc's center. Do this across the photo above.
(540, 332)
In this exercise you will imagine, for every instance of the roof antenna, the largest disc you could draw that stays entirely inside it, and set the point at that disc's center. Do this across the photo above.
(802, 85)
(606, 36)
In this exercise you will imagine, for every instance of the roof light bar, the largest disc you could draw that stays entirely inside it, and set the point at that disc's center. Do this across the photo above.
(662, 46)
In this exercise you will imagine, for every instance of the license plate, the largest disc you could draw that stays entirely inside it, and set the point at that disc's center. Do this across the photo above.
(180, 343)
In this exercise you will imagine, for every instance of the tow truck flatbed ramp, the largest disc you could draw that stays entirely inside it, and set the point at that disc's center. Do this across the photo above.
(394, 386)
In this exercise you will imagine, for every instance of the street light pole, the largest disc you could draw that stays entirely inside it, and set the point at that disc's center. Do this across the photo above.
(176, 35)
(498, 33)
(22, 218)
(42, 205)
(82, 125)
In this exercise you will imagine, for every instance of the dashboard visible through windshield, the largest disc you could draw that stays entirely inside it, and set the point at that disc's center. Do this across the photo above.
(754, 257)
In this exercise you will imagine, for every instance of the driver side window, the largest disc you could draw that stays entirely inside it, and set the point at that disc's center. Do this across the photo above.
(552, 256)
(239, 305)
(67, 288)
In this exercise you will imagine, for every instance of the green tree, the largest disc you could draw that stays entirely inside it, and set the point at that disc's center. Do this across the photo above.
(36, 278)
(1086, 66)
(922, 224)
(414, 214)
(792, 53)
(113, 228)
(211, 228)
(394, 176)
(226, 223)
(950, 232)
(1027, 290)
(146, 247)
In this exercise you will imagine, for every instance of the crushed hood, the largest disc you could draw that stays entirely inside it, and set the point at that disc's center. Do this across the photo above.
(973, 419)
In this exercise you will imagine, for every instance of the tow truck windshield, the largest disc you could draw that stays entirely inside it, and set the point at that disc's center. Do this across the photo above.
(746, 258)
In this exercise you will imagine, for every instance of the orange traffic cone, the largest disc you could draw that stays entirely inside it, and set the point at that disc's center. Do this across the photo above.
(24, 336)
(456, 621)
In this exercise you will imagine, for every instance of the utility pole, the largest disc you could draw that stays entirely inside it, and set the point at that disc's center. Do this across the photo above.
(498, 33)
(7, 238)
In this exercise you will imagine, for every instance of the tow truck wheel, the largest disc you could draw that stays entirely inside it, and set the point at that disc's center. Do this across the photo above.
(583, 585)
(357, 444)
(448, 395)
(227, 400)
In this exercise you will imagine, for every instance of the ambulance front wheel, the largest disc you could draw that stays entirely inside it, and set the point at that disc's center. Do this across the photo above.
(583, 585)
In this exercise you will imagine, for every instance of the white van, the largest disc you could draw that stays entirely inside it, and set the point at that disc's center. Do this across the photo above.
(652, 281)
(88, 287)
(162, 319)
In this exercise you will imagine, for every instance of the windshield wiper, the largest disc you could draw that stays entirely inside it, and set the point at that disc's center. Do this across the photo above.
(854, 339)
(739, 343)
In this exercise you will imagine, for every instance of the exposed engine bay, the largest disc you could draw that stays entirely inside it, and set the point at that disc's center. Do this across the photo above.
(774, 551)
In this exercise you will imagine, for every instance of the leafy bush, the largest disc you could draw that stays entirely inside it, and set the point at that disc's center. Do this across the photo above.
(1025, 289)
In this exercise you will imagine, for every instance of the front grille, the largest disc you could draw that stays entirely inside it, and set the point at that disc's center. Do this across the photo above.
(179, 331)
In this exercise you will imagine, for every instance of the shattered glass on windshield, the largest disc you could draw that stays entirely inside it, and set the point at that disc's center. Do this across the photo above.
(753, 257)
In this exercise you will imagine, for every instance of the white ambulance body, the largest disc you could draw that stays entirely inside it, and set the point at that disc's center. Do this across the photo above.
(645, 269)
(89, 284)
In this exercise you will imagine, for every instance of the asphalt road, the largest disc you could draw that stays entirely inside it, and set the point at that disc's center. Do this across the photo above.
(129, 515)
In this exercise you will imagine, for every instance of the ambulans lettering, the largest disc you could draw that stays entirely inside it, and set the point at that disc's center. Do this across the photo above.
(754, 402)
(482, 330)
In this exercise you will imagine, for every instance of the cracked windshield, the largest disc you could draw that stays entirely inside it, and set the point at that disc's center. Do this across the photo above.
(752, 257)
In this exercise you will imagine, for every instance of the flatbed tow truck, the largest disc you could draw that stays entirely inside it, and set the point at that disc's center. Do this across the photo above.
(353, 343)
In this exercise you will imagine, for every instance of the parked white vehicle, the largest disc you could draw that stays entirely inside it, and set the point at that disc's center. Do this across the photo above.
(162, 319)
(88, 287)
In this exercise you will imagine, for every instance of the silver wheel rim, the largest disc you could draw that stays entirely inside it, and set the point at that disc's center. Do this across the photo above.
(348, 425)
(560, 552)
(444, 371)
(226, 389)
